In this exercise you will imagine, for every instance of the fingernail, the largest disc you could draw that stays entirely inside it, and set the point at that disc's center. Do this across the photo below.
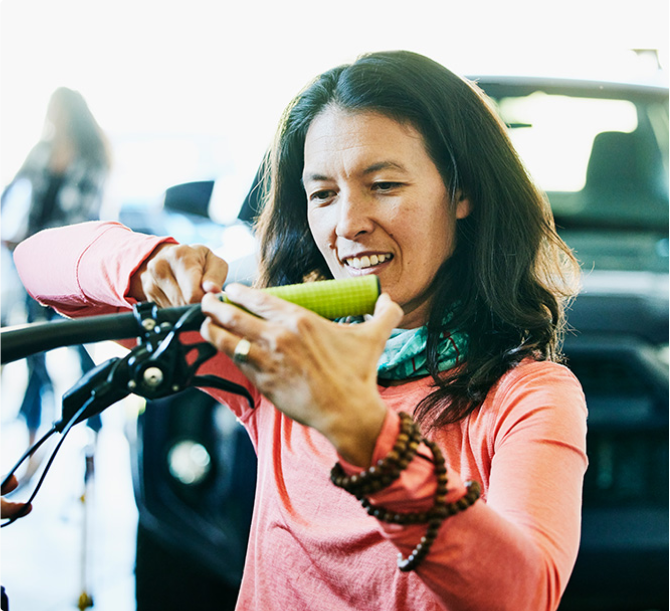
(210, 287)
(233, 289)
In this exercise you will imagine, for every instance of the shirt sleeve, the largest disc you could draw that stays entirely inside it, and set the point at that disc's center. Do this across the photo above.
(515, 548)
(91, 272)
(91, 276)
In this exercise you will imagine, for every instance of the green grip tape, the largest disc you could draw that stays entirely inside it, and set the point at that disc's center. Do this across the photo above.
(331, 298)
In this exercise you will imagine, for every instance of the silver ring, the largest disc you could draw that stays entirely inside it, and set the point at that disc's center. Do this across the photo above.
(241, 353)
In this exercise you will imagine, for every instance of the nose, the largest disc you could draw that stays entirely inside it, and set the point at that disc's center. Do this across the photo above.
(354, 216)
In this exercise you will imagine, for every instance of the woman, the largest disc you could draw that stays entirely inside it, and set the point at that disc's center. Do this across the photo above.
(65, 171)
(392, 166)
(61, 182)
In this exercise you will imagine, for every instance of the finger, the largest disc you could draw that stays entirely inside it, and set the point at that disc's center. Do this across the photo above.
(11, 509)
(177, 275)
(225, 341)
(154, 293)
(198, 266)
(232, 318)
(260, 303)
(160, 284)
(189, 269)
(188, 288)
(387, 315)
(11, 484)
(215, 272)
(211, 287)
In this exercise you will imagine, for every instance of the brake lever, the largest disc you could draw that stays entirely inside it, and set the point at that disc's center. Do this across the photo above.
(158, 366)
(101, 387)
(167, 366)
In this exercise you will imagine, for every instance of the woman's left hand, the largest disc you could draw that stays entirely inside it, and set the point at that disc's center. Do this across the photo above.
(319, 373)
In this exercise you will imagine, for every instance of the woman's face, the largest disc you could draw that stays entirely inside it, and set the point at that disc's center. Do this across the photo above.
(377, 205)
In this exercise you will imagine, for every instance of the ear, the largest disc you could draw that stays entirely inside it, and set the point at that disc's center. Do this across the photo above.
(463, 206)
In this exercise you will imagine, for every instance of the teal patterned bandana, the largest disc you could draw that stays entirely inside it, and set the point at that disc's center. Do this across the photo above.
(404, 356)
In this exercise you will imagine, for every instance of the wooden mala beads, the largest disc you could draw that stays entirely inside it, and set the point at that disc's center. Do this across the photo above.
(387, 470)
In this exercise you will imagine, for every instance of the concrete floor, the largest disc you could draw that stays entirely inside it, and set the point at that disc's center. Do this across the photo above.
(44, 567)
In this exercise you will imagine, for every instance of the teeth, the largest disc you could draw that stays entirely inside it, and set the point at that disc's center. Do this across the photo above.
(365, 262)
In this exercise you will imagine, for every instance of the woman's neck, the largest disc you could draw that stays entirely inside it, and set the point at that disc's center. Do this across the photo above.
(61, 158)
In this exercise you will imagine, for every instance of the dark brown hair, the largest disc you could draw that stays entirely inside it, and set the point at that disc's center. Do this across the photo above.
(71, 115)
(508, 280)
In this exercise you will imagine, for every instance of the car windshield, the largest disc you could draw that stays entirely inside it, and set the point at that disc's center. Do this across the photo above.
(601, 155)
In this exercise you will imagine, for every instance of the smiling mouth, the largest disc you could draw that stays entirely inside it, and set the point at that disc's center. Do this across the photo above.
(366, 262)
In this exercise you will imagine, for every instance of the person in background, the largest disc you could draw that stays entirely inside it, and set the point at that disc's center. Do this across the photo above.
(10, 509)
(61, 182)
(429, 456)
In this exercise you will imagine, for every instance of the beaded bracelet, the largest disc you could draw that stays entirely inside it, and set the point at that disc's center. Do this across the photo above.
(440, 511)
(388, 470)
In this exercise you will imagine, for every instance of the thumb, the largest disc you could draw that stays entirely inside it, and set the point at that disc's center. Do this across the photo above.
(214, 273)
(387, 315)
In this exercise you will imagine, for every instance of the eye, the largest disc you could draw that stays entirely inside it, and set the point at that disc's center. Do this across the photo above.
(321, 196)
(385, 186)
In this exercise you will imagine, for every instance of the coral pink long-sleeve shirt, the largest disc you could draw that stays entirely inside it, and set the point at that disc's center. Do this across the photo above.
(312, 546)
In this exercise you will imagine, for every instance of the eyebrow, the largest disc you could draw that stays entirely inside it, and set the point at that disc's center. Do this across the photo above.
(375, 167)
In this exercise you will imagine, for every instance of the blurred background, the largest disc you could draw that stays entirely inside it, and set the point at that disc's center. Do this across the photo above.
(187, 95)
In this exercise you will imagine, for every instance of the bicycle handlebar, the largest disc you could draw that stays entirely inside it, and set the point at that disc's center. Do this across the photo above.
(329, 298)
(19, 342)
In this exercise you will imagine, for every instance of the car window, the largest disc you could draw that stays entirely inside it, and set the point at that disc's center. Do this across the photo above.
(602, 159)
(554, 134)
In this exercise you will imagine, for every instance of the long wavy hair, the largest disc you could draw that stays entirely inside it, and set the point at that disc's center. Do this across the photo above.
(510, 276)
(71, 118)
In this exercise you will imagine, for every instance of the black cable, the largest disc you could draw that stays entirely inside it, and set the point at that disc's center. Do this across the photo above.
(64, 433)
(189, 318)
(192, 314)
(29, 452)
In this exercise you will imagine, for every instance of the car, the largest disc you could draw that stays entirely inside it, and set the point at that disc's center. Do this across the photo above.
(193, 465)
(599, 149)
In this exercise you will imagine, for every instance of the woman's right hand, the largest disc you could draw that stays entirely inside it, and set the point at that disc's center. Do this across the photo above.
(10, 509)
(177, 275)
